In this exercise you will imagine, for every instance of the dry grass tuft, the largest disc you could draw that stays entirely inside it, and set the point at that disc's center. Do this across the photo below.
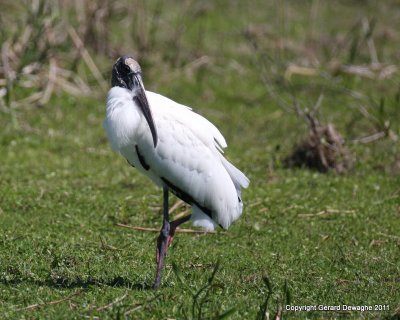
(323, 150)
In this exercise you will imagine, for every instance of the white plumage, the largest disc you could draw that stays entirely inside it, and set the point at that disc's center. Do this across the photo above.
(187, 155)
(176, 148)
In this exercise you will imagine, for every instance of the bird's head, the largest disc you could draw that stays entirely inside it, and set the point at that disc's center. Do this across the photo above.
(126, 73)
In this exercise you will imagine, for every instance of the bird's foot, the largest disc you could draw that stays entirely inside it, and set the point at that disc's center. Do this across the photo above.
(165, 239)
(161, 251)
(173, 226)
(163, 242)
(162, 248)
(169, 241)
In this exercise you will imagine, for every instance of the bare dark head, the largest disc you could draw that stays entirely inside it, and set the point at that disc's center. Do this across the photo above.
(126, 73)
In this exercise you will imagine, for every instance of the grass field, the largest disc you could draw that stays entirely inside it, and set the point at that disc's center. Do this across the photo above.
(305, 238)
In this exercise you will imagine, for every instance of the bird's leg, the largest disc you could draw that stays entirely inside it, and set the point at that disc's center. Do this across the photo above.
(163, 239)
(174, 225)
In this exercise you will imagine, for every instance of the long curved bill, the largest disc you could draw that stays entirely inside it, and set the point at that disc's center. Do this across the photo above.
(141, 100)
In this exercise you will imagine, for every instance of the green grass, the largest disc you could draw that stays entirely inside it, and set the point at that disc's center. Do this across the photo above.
(305, 238)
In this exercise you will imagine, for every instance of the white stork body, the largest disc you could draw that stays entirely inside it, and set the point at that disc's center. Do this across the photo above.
(187, 157)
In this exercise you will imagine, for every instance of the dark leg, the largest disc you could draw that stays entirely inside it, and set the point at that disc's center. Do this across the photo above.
(162, 241)
(165, 238)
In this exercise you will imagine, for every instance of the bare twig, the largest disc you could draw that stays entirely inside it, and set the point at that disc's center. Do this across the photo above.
(118, 300)
(254, 204)
(182, 214)
(87, 58)
(371, 71)
(366, 26)
(21, 45)
(317, 104)
(389, 235)
(5, 54)
(371, 138)
(39, 305)
(104, 245)
(304, 71)
(137, 306)
(323, 213)
(278, 315)
(176, 205)
(9, 77)
(29, 100)
(50, 83)
(70, 87)
(178, 230)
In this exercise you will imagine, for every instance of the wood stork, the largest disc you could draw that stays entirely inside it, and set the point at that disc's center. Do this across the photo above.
(177, 149)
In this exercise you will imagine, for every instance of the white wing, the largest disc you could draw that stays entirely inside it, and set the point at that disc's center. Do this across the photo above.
(187, 158)
(203, 128)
